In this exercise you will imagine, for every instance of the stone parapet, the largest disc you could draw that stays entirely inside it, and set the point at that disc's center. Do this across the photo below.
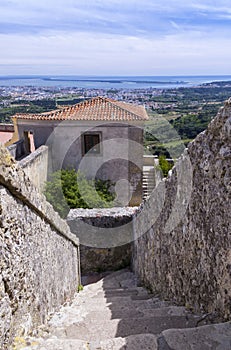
(39, 260)
(13, 177)
(35, 166)
(105, 237)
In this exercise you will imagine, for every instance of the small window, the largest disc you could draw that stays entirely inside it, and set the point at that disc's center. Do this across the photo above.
(91, 143)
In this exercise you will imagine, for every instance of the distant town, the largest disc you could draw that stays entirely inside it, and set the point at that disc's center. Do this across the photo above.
(188, 109)
(9, 95)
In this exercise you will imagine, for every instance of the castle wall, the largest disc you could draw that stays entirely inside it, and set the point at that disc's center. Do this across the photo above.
(35, 166)
(182, 247)
(105, 237)
(39, 257)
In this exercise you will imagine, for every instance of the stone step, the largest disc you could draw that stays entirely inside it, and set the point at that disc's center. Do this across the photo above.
(211, 337)
(114, 314)
(153, 312)
(138, 308)
(116, 280)
(133, 293)
(146, 194)
(134, 342)
(111, 297)
(148, 185)
(125, 279)
(139, 290)
(148, 175)
(90, 329)
(108, 314)
(146, 301)
(148, 171)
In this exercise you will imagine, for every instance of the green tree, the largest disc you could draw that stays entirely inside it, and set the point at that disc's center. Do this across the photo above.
(164, 165)
(68, 189)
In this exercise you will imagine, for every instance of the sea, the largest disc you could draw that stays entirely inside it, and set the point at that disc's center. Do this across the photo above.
(111, 82)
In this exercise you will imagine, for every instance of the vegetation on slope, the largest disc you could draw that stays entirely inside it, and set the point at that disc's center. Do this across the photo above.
(24, 106)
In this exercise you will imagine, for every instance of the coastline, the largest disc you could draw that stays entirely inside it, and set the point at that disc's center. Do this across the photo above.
(103, 82)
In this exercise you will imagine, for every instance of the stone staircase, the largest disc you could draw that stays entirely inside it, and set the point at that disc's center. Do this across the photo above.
(148, 180)
(114, 313)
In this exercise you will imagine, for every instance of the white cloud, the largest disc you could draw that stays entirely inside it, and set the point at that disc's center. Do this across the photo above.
(212, 7)
(115, 37)
(84, 53)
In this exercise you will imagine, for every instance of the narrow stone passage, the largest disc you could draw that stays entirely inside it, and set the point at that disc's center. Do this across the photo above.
(115, 314)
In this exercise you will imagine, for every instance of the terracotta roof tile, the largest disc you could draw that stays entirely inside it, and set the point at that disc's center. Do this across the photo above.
(98, 108)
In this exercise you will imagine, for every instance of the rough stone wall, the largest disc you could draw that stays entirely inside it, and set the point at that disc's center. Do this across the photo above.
(182, 247)
(17, 149)
(105, 237)
(39, 259)
(35, 166)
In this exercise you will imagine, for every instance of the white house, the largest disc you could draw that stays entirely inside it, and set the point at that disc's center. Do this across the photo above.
(102, 137)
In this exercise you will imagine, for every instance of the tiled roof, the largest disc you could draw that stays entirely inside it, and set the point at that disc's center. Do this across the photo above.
(98, 108)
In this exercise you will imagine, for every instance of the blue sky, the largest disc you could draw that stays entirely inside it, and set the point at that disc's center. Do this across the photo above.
(113, 37)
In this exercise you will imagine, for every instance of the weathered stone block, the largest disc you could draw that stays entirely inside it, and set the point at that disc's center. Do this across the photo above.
(105, 237)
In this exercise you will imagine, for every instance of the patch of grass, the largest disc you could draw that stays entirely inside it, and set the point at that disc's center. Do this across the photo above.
(80, 288)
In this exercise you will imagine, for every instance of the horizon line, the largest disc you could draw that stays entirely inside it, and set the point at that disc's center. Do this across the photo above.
(118, 75)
